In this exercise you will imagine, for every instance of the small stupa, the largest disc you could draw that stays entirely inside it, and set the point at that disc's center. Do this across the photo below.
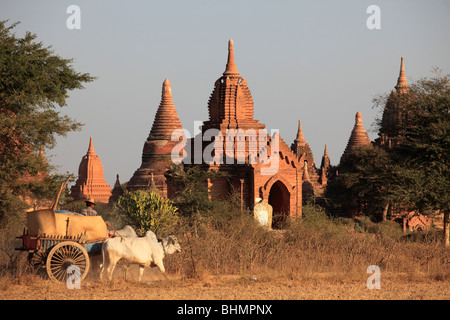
(358, 137)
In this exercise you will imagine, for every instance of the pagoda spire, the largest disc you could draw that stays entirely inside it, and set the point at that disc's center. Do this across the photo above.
(358, 137)
(305, 172)
(166, 119)
(231, 65)
(402, 83)
(91, 151)
(300, 140)
(325, 167)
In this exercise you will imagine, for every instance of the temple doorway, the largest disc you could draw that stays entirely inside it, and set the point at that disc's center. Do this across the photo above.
(279, 199)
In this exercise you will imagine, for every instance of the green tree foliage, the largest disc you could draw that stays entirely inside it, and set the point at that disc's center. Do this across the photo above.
(364, 182)
(192, 189)
(145, 211)
(413, 172)
(425, 142)
(33, 83)
(424, 145)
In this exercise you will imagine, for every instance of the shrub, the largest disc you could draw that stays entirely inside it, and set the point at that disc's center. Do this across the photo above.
(145, 211)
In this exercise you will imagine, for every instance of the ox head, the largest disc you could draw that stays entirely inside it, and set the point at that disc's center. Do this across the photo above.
(171, 245)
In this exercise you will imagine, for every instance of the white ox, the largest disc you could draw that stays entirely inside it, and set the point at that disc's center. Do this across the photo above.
(145, 251)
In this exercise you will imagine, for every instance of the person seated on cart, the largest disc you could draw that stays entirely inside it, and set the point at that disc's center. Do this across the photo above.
(89, 210)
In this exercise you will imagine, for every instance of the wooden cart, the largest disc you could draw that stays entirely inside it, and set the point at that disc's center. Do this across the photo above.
(53, 255)
(57, 240)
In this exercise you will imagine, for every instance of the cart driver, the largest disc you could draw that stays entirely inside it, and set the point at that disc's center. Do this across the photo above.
(89, 210)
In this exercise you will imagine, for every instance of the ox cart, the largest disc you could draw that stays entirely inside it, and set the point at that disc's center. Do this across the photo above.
(59, 243)
(55, 253)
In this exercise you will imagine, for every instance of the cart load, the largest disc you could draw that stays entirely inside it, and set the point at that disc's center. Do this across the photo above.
(47, 221)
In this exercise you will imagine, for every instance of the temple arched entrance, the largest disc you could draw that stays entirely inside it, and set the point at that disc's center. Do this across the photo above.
(279, 199)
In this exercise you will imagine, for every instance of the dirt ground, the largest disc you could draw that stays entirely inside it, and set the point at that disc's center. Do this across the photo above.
(155, 287)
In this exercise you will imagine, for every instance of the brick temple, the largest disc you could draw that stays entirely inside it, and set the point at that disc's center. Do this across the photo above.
(231, 109)
(237, 144)
(90, 182)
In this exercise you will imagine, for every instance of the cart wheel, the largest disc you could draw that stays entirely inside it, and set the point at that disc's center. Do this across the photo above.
(64, 255)
(36, 262)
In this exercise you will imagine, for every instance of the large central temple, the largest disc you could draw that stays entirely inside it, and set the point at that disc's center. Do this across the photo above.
(258, 162)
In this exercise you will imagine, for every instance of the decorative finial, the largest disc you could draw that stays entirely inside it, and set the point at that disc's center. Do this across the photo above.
(91, 150)
(300, 140)
(231, 65)
(166, 89)
(402, 83)
(358, 117)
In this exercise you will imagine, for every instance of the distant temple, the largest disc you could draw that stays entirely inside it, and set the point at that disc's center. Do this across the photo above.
(394, 113)
(116, 192)
(90, 182)
(358, 137)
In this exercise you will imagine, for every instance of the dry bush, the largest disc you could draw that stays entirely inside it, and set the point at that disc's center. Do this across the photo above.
(307, 247)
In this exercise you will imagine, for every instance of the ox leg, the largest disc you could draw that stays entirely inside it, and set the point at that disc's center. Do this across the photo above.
(103, 265)
(125, 270)
(110, 268)
(141, 272)
(160, 265)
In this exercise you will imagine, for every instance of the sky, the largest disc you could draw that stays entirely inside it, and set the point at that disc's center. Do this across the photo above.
(314, 61)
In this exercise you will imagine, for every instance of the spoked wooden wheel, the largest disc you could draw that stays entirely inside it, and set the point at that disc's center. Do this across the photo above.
(37, 262)
(62, 257)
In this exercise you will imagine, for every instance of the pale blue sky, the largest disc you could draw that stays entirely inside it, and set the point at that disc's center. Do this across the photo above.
(315, 61)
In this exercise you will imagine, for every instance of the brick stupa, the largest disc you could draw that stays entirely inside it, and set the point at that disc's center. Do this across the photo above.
(394, 111)
(90, 182)
(301, 148)
(156, 154)
(116, 192)
(358, 137)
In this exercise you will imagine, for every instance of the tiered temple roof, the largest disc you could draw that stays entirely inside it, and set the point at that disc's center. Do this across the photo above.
(156, 154)
(402, 83)
(231, 103)
(90, 182)
(358, 137)
(394, 112)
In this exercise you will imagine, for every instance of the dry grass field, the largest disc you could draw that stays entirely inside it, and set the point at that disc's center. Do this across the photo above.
(318, 258)
(155, 287)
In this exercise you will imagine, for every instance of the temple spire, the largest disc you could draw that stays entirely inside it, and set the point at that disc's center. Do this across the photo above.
(166, 118)
(402, 83)
(231, 65)
(300, 140)
(305, 172)
(358, 137)
(91, 150)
